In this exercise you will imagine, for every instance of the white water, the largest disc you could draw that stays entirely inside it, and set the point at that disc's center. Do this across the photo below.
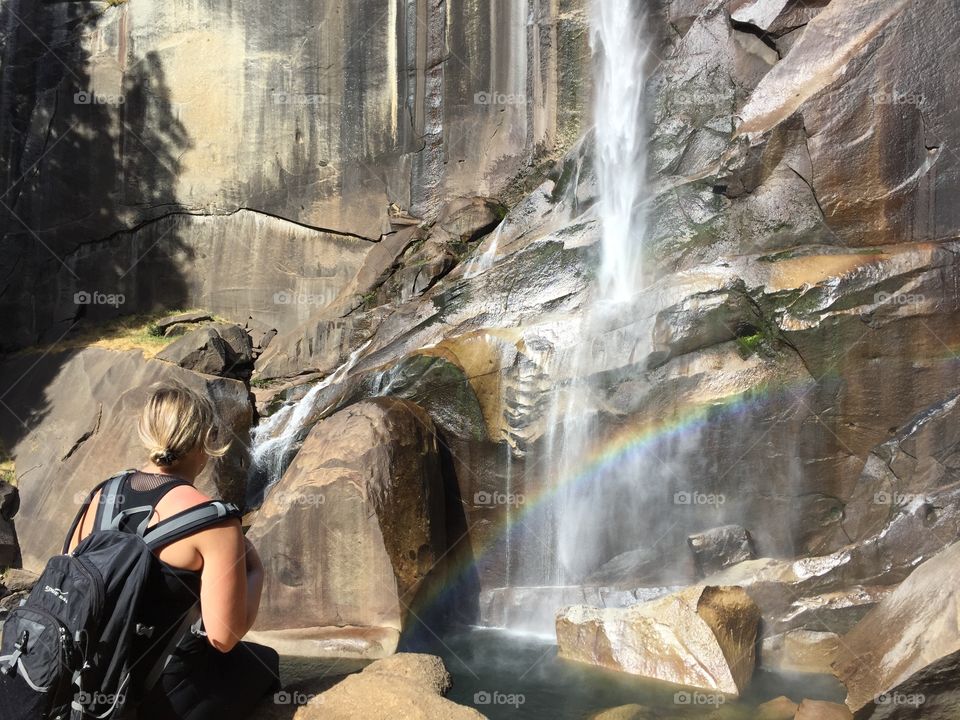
(486, 259)
(596, 513)
(273, 439)
(616, 39)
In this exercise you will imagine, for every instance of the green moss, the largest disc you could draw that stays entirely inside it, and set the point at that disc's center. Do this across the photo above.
(751, 344)
(369, 300)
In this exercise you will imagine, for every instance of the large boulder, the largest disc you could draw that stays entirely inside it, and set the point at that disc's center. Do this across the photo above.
(902, 659)
(366, 489)
(77, 413)
(407, 685)
(223, 349)
(702, 637)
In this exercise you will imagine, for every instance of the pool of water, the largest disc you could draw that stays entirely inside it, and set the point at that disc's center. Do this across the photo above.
(510, 675)
(506, 675)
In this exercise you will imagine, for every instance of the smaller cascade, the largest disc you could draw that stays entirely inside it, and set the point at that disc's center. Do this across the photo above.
(484, 261)
(274, 440)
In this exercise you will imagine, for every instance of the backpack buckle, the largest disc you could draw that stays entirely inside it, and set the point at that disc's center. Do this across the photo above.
(18, 649)
(147, 630)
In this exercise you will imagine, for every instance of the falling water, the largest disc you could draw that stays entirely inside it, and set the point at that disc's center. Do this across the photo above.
(585, 514)
(486, 259)
(587, 523)
(616, 39)
(274, 440)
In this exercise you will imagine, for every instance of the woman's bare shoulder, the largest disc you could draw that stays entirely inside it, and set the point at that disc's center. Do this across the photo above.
(183, 497)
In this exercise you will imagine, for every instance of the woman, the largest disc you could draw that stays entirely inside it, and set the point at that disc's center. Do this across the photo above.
(212, 674)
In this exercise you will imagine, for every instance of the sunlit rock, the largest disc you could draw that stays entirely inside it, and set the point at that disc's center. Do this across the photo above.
(780, 708)
(902, 659)
(366, 489)
(701, 637)
(821, 710)
(407, 685)
(82, 406)
(215, 349)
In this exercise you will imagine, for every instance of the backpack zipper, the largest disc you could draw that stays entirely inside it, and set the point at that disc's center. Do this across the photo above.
(96, 581)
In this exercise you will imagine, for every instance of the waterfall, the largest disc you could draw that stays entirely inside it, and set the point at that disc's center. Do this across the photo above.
(593, 512)
(585, 509)
(274, 441)
(616, 40)
(483, 262)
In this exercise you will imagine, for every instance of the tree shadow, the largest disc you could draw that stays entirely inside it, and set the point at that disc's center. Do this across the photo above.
(90, 147)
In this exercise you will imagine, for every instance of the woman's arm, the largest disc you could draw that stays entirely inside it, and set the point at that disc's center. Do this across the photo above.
(223, 584)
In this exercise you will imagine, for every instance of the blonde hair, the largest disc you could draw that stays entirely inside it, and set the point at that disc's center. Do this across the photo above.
(175, 420)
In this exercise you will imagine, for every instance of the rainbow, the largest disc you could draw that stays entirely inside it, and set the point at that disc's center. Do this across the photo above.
(628, 443)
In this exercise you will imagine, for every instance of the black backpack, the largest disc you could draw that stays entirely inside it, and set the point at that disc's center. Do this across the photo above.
(68, 649)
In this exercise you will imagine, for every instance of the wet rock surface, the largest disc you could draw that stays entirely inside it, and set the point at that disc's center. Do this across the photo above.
(721, 547)
(897, 661)
(701, 637)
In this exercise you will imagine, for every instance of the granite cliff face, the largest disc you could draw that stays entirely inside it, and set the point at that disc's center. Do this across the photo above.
(202, 154)
(798, 320)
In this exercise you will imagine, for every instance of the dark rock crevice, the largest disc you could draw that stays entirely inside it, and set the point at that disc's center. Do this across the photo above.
(199, 213)
(86, 436)
(764, 37)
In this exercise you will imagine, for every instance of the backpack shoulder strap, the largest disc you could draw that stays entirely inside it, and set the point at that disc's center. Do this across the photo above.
(110, 500)
(81, 513)
(189, 521)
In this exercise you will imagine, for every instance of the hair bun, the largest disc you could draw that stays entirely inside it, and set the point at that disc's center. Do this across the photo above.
(164, 457)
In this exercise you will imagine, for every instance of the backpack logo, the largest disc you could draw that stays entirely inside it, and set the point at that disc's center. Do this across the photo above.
(57, 593)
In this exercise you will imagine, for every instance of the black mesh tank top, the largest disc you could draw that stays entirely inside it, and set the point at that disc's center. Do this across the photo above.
(170, 591)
